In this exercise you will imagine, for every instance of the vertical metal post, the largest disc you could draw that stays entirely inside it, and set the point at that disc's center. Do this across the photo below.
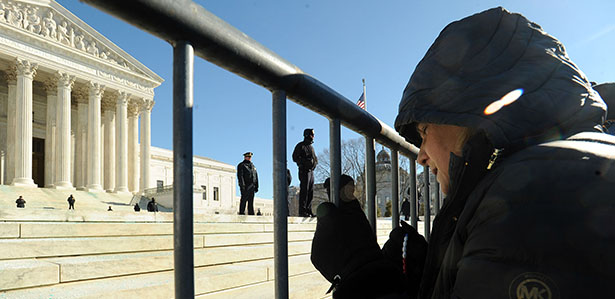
(280, 204)
(335, 157)
(436, 202)
(370, 181)
(427, 202)
(183, 248)
(413, 190)
(394, 188)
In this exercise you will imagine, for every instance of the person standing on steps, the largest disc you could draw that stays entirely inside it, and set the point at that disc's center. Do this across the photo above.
(248, 183)
(306, 160)
(71, 202)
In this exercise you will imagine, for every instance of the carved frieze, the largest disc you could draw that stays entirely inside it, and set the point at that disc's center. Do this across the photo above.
(45, 22)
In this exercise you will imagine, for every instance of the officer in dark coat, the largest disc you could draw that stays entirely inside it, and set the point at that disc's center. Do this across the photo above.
(514, 133)
(21, 203)
(248, 183)
(71, 202)
(306, 160)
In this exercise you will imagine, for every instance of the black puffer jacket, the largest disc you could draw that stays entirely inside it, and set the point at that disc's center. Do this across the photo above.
(539, 223)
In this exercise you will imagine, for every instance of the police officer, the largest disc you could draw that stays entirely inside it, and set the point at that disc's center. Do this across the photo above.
(306, 160)
(248, 183)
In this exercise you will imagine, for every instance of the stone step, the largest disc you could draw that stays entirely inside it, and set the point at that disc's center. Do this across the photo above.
(55, 247)
(98, 266)
(92, 229)
(151, 285)
(27, 273)
(9, 230)
(303, 286)
(215, 240)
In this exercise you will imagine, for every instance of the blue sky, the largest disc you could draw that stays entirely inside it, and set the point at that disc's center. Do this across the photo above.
(339, 42)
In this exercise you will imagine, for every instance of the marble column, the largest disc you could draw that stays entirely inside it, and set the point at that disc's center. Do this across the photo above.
(133, 143)
(11, 79)
(50, 131)
(121, 144)
(109, 145)
(23, 124)
(63, 132)
(146, 142)
(94, 158)
(2, 163)
(81, 96)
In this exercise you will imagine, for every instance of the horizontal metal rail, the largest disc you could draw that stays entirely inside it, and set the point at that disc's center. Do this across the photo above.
(222, 44)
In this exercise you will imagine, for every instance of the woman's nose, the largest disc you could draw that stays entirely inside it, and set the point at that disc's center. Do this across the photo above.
(422, 157)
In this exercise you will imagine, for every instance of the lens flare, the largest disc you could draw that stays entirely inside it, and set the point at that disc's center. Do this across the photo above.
(507, 99)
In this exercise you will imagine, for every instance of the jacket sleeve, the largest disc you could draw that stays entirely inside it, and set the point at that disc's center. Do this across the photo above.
(255, 179)
(240, 176)
(297, 153)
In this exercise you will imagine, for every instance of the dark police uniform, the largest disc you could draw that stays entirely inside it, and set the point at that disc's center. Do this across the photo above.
(306, 160)
(248, 184)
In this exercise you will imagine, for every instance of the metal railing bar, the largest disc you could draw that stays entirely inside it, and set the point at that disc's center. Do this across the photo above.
(280, 188)
(183, 63)
(370, 181)
(413, 195)
(224, 45)
(394, 188)
(335, 157)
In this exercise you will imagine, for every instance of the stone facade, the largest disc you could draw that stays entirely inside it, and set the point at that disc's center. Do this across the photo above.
(58, 78)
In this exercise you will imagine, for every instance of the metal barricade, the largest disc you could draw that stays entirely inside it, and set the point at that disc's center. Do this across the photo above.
(191, 29)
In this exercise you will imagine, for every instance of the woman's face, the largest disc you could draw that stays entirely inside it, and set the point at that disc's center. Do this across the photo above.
(439, 141)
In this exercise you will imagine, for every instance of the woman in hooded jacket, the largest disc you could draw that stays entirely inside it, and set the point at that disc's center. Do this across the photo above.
(512, 129)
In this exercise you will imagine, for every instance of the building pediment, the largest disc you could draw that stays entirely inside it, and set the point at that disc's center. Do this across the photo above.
(48, 21)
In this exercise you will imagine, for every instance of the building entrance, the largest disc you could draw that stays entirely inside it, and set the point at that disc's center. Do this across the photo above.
(38, 161)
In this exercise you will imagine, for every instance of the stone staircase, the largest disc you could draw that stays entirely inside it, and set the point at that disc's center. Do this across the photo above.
(122, 254)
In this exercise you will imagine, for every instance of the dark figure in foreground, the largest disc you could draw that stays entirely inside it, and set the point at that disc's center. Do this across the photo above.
(306, 160)
(21, 203)
(405, 209)
(258, 213)
(152, 206)
(346, 188)
(71, 202)
(513, 131)
(137, 207)
(110, 209)
(248, 183)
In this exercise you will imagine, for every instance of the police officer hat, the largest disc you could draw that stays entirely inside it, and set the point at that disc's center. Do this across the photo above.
(248, 154)
(308, 132)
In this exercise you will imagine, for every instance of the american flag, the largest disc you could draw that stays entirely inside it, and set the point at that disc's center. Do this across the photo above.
(361, 101)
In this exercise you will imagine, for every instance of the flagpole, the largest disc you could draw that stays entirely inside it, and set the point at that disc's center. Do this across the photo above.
(364, 94)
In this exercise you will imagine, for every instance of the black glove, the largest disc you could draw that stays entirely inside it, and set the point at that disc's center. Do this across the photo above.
(416, 252)
(255, 190)
(346, 253)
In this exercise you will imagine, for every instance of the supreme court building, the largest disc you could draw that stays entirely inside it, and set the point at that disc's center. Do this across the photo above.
(75, 111)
